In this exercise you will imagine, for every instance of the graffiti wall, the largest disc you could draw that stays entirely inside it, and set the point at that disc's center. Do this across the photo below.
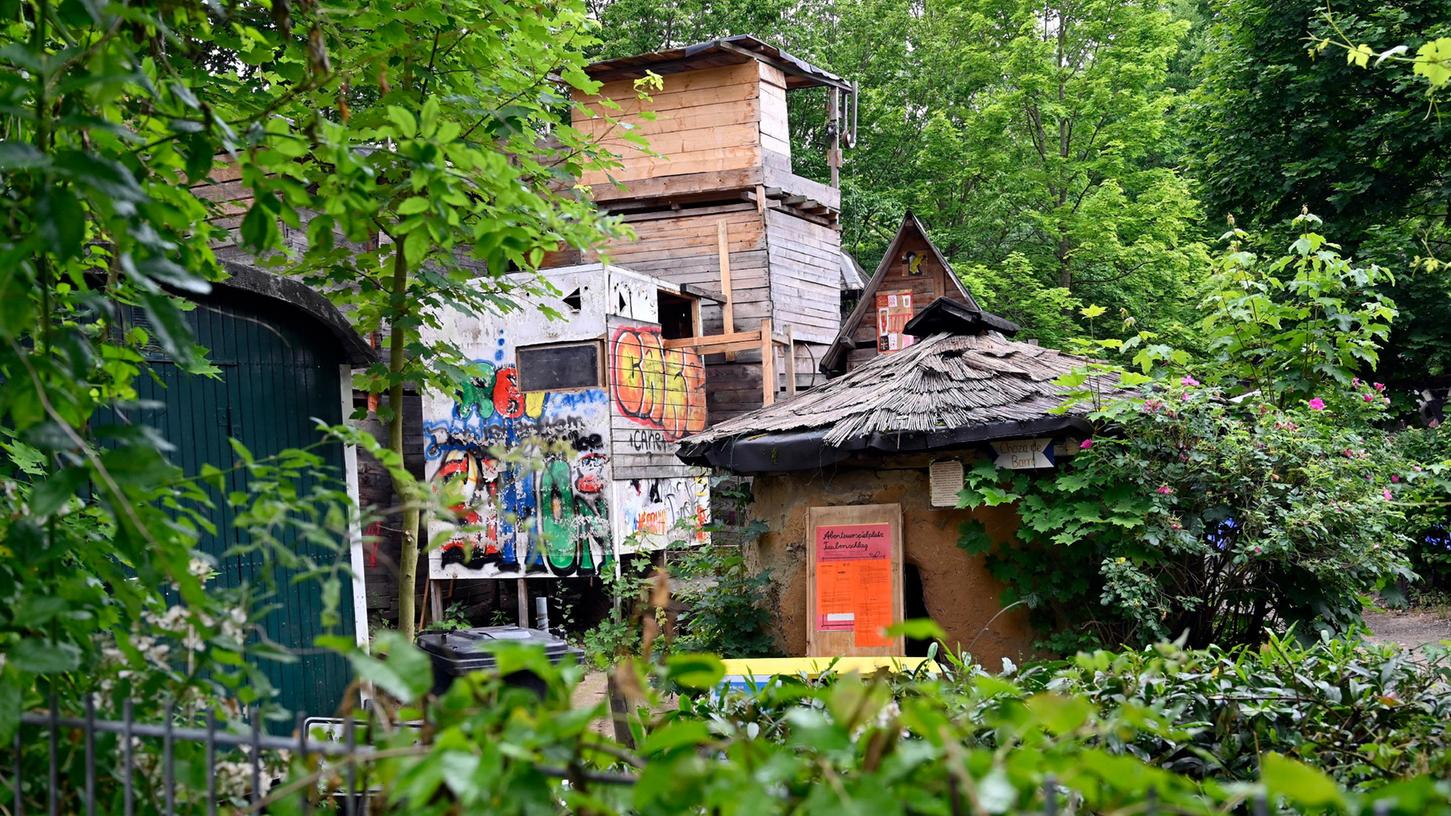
(658, 388)
(532, 475)
(651, 513)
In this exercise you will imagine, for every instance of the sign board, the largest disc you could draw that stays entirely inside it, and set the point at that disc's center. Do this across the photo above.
(854, 580)
(1024, 454)
(946, 479)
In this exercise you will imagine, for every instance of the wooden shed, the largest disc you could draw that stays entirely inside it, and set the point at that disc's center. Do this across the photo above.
(714, 204)
(857, 483)
(912, 274)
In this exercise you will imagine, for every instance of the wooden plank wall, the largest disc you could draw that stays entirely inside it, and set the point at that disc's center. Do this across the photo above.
(925, 288)
(705, 121)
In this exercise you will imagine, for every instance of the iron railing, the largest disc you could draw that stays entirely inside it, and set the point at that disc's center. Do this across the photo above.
(351, 796)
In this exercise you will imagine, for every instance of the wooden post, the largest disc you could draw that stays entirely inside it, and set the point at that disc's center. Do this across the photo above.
(727, 309)
(523, 593)
(791, 360)
(768, 364)
(833, 153)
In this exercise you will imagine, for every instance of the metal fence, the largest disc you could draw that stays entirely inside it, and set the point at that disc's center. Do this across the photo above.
(349, 794)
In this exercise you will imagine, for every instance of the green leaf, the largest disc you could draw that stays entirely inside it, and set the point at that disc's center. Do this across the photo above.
(1298, 782)
(39, 656)
(917, 629)
(52, 494)
(1058, 714)
(695, 671)
(403, 121)
(21, 156)
(413, 205)
(406, 672)
(1092, 311)
(674, 735)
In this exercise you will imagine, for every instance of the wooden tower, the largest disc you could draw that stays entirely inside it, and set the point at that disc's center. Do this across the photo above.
(716, 208)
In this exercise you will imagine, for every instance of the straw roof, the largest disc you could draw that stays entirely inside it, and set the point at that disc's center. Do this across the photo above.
(964, 383)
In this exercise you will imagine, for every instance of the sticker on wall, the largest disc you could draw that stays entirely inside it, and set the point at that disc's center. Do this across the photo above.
(894, 310)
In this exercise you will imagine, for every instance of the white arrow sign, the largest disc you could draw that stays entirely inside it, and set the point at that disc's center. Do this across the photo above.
(1024, 454)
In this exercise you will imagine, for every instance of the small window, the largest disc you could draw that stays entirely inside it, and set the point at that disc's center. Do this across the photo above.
(677, 315)
(559, 367)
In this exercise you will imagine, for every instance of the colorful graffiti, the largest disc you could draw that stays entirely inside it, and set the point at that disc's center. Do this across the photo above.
(659, 387)
(655, 512)
(530, 471)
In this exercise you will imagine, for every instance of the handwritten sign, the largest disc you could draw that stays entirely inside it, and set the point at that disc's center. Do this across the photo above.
(1024, 454)
(854, 581)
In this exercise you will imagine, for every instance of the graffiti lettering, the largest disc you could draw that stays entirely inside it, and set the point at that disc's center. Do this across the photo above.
(655, 386)
(529, 470)
(655, 512)
(643, 441)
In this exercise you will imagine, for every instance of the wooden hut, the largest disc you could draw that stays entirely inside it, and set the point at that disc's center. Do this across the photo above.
(857, 483)
(913, 273)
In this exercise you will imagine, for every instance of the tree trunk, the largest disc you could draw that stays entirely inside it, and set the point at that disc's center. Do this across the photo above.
(397, 342)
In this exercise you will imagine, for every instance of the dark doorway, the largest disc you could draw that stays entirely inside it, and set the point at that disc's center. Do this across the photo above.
(677, 316)
(914, 605)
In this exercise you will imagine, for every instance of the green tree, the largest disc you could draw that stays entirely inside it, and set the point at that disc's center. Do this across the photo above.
(420, 169)
(1277, 124)
(1016, 130)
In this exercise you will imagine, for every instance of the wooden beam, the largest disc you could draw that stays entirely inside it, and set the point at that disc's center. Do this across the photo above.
(791, 360)
(711, 343)
(833, 153)
(727, 309)
(768, 365)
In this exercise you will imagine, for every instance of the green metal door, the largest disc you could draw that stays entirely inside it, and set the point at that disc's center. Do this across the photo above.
(280, 374)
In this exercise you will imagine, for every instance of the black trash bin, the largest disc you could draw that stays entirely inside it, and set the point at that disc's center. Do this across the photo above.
(455, 654)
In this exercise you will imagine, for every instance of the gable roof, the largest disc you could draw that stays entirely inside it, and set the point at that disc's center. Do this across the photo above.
(721, 51)
(834, 361)
(964, 384)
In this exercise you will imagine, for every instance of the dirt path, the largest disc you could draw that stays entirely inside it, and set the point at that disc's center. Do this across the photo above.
(1409, 630)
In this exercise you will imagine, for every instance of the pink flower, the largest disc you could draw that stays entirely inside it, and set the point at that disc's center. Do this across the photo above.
(1369, 397)
(1386, 494)
(1416, 468)
(1184, 397)
(1164, 490)
(1395, 478)
(1258, 550)
(1188, 380)
(1355, 381)
(1317, 404)
(1349, 454)
(1378, 386)
(1085, 444)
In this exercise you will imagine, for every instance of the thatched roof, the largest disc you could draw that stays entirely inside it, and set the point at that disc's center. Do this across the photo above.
(963, 383)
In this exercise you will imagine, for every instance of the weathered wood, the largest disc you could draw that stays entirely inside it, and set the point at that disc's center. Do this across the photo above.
(791, 361)
(728, 307)
(768, 365)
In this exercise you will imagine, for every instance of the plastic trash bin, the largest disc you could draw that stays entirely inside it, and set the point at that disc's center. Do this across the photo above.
(455, 654)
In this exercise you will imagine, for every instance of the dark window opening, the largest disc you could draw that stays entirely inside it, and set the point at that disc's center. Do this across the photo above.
(849, 299)
(574, 301)
(558, 367)
(914, 605)
(677, 316)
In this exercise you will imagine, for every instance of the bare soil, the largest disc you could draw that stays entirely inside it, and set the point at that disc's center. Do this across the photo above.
(1411, 629)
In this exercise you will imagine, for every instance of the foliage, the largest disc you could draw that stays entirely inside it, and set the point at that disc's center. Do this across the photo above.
(1276, 125)
(1029, 138)
(964, 741)
(110, 114)
(1260, 498)
(1364, 715)
(1422, 460)
(412, 151)
(724, 609)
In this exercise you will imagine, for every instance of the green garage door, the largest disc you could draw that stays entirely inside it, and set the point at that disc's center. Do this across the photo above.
(280, 370)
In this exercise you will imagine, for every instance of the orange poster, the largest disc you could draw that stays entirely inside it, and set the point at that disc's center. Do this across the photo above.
(854, 581)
